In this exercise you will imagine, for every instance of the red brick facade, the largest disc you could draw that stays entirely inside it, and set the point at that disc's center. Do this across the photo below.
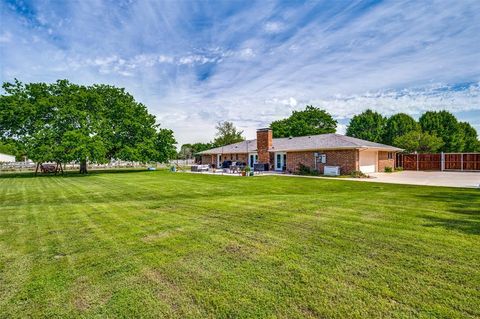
(384, 161)
(346, 159)
(208, 159)
(264, 143)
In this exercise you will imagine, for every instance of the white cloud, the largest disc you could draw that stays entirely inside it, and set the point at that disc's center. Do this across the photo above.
(341, 129)
(5, 37)
(273, 27)
(192, 68)
(246, 53)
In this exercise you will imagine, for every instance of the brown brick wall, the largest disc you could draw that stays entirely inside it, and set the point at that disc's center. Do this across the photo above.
(208, 159)
(346, 159)
(264, 143)
(383, 161)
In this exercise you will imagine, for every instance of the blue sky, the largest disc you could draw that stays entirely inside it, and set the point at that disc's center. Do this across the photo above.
(194, 63)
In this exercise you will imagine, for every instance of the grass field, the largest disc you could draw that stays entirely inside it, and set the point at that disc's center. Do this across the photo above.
(160, 244)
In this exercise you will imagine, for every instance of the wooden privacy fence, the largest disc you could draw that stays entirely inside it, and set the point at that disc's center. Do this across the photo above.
(439, 162)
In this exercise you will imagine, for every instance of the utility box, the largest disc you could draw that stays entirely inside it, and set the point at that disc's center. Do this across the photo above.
(331, 170)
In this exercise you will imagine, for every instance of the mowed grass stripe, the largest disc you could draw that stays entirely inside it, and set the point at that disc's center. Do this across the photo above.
(157, 244)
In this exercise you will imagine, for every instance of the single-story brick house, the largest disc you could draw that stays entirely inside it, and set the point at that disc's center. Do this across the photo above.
(315, 151)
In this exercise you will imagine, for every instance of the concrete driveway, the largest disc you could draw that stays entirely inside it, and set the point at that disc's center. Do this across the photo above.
(453, 179)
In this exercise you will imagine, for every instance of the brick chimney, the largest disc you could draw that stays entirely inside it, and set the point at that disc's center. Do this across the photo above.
(264, 143)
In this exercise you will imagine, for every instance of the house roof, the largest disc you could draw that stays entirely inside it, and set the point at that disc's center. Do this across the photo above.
(303, 143)
(240, 147)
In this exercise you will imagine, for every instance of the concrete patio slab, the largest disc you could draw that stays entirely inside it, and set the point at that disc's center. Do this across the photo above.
(449, 179)
(452, 179)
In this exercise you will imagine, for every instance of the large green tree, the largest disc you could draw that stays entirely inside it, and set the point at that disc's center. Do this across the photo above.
(189, 150)
(398, 125)
(186, 151)
(164, 148)
(444, 125)
(65, 122)
(12, 147)
(416, 141)
(310, 121)
(368, 125)
(470, 137)
(226, 134)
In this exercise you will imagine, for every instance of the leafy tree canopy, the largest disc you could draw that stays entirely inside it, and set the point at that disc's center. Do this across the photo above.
(63, 122)
(368, 125)
(444, 125)
(164, 148)
(226, 134)
(12, 147)
(421, 142)
(189, 150)
(471, 142)
(310, 121)
(398, 125)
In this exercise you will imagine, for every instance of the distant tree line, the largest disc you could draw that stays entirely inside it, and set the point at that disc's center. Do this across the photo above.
(64, 122)
(226, 134)
(435, 131)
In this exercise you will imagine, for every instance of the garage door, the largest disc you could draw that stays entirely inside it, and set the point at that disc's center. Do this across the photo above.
(368, 161)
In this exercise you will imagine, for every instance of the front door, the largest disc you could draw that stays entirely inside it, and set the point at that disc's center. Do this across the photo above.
(280, 161)
(252, 159)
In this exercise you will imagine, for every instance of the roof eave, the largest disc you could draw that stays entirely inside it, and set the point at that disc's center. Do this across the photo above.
(225, 152)
(389, 149)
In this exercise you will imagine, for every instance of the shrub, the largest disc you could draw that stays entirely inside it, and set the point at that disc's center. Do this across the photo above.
(399, 169)
(305, 170)
(358, 174)
(388, 169)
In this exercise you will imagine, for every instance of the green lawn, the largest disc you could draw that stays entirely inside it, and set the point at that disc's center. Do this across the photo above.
(160, 244)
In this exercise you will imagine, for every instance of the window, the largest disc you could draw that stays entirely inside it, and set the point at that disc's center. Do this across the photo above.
(236, 157)
(389, 155)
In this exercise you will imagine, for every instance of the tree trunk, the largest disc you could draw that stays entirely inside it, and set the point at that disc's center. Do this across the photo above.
(83, 167)
(61, 167)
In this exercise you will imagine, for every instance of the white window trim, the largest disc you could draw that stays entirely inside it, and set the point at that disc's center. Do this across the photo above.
(275, 162)
(255, 159)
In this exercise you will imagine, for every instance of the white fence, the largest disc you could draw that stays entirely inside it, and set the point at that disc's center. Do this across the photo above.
(31, 166)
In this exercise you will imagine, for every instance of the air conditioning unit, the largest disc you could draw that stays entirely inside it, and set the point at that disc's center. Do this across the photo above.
(331, 170)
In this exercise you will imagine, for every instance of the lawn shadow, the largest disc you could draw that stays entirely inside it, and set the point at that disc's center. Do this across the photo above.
(464, 225)
(75, 174)
(465, 204)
